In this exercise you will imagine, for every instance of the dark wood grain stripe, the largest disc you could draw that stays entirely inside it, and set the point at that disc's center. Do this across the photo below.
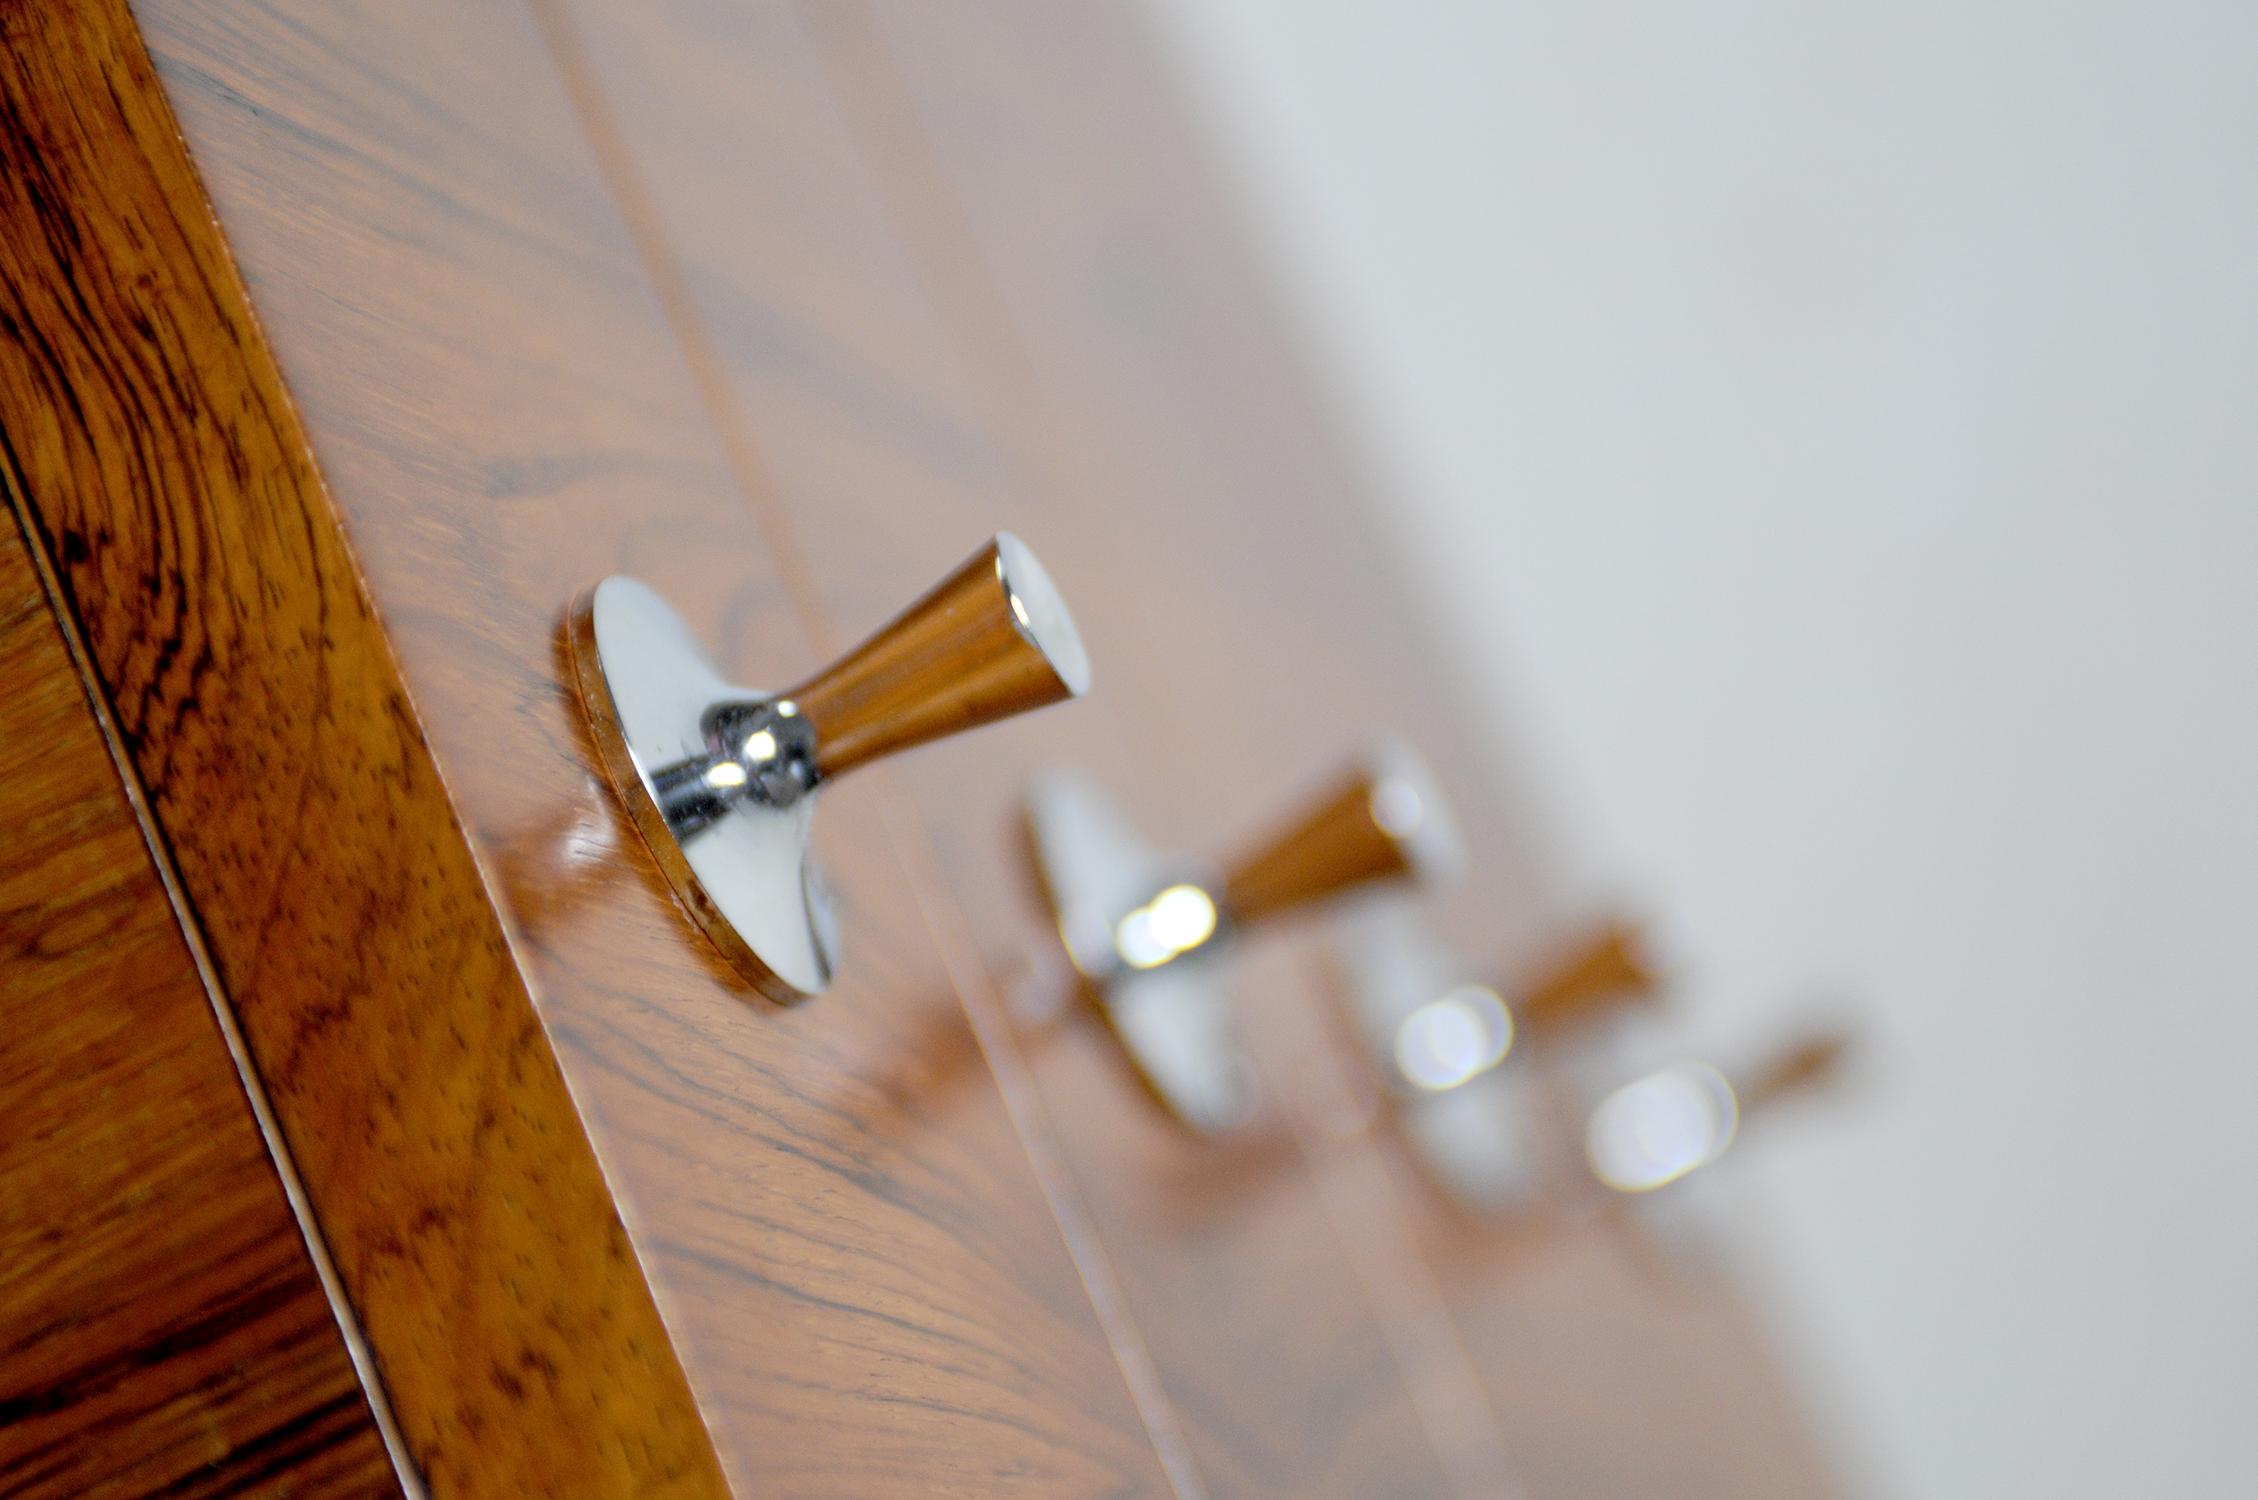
(162, 1326)
(344, 913)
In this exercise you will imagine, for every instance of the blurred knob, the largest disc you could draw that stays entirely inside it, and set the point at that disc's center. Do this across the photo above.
(720, 780)
(1810, 1064)
(1671, 1122)
(991, 640)
(1145, 928)
(1430, 1023)
(1437, 1041)
(1381, 821)
(1596, 975)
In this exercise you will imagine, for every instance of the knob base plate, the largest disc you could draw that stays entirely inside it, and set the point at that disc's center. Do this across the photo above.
(1174, 1021)
(747, 880)
(1481, 1138)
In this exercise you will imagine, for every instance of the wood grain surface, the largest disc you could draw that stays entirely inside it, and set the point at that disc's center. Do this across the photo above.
(345, 916)
(834, 1203)
(1091, 253)
(782, 306)
(834, 367)
(162, 1329)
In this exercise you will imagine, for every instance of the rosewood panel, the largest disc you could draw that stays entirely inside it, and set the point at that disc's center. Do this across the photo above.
(878, 437)
(162, 1328)
(834, 1204)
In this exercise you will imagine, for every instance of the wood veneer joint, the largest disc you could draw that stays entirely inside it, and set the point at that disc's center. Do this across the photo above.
(37, 548)
(245, 679)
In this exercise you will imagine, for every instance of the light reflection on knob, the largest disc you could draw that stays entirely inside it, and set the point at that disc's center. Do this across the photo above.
(1176, 920)
(1443, 1043)
(1455, 1037)
(720, 780)
(1654, 1130)
(1660, 1128)
(1596, 975)
(1145, 929)
(1432, 1023)
(1382, 820)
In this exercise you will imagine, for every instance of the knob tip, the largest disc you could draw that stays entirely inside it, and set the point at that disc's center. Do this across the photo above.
(1606, 969)
(1385, 820)
(1041, 614)
(1408, 806)
(1809, 1062)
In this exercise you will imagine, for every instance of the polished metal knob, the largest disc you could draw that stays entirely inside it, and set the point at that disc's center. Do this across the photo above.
(1670, 1123)
(1807, 1064)
(1434, 1029)
(1144, 928)
(1380, 821)
(720, 780)
(1596, 975)
(1432, 1021)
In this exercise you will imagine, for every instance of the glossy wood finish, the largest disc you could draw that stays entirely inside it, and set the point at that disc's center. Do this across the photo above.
(346, 918)
(1096, 269)
(777, 306)
(880, 431)
(1049, 249)
(833, 1203)
(162, 1328)
(1618, 1374)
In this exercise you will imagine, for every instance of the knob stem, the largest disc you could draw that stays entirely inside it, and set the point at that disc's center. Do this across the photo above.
(1806, 1065)
(1605, 970)
(991, 640)
(1383, 821)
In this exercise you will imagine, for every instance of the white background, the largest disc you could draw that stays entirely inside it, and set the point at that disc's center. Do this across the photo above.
(1841, 422)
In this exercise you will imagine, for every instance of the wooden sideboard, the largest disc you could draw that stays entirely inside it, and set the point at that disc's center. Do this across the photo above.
(416, 1140)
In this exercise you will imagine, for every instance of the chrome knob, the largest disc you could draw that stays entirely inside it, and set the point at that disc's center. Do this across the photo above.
(1145, 928)
(1431, 1021)
(720, 780)
(1382, 820)
(1434, 1031)
(1672, 1122)
(1597, 974)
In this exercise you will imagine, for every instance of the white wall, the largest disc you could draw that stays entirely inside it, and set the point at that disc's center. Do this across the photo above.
(1844, 422)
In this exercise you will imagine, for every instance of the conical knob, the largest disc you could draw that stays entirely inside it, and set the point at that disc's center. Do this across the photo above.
(720, 780)
(1146, 928)
(1673, 1121)
(991, 640)
(1599, 973)
(1383, 820)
